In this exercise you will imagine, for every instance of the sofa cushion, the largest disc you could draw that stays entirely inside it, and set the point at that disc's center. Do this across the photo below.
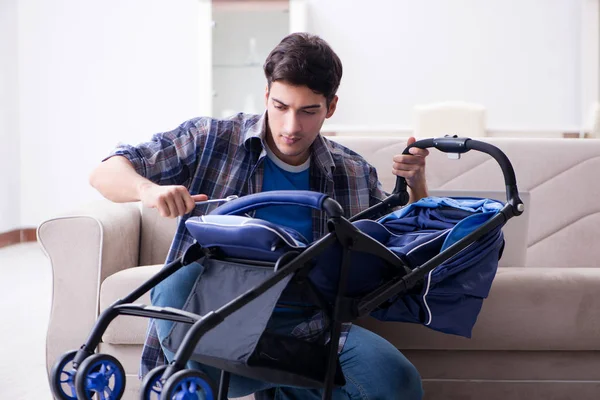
(126, 329)
(527, 309)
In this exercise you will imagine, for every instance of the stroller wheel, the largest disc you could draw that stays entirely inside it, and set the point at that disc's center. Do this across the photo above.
(62, 377)
(152, 385)
(188, 385)
(101, 375)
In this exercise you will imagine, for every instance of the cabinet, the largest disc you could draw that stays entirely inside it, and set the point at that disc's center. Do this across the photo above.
(242, 33)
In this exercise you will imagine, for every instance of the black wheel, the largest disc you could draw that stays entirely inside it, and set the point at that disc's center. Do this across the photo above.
(152, 384)
(101, 375)
(189, 384)
(62, 377)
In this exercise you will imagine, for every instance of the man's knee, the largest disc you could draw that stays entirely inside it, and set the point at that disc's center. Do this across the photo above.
(408, 381)
(399, 379)
(376, 370)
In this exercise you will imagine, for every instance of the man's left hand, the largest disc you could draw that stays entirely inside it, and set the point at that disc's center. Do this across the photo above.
(412, 168)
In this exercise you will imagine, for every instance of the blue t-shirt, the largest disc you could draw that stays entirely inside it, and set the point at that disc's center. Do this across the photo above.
(281, 176)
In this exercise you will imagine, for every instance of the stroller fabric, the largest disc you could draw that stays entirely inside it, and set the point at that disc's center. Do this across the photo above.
(242, 340)
(243, 237)
(451, 295)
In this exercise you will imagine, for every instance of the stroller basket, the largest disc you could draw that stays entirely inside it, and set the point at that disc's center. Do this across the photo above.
(242, 341)
(431, 262)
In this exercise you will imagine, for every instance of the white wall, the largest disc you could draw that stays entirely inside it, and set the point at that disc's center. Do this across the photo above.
(590, 61)
(78, 76)
(93, 73)
(519, 58)
(9, 138)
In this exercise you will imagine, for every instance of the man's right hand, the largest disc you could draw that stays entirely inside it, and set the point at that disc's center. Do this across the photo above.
(171, 201)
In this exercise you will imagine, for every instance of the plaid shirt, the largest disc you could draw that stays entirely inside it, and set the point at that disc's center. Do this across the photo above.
(225, 157)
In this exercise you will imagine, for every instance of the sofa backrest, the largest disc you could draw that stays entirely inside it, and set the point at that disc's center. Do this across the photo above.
(156, 235)
(560, 174)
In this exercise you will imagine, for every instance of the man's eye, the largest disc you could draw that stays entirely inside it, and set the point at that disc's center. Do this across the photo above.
(309, 112)
(278, 107)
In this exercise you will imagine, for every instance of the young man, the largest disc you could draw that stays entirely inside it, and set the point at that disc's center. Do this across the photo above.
(281, 149)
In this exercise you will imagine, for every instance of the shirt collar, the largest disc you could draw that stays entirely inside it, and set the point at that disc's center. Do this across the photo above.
(256, 130)
(322, 156)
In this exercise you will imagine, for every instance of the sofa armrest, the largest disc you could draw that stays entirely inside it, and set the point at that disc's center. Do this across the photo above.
(84, 248)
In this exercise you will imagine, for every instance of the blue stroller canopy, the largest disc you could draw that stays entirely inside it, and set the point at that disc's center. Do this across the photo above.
(452, 294)
(450, 298)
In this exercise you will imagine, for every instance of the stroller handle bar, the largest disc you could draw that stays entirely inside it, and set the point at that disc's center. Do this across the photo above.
(459, 145)
(304, 198)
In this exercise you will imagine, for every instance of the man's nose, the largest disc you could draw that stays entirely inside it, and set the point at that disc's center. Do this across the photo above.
(292, 123)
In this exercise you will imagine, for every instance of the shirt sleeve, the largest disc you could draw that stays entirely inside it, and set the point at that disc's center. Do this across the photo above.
(169, 158)
(376, 192)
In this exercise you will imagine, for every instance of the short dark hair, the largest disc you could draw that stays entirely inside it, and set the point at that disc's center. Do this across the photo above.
(305, 59)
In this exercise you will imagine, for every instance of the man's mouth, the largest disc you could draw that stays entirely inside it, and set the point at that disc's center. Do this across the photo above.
(289, 139)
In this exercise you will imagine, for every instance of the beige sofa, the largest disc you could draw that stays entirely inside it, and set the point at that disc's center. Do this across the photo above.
(537, 337)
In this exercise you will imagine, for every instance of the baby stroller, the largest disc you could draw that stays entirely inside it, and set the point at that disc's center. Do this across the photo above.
(415, 264)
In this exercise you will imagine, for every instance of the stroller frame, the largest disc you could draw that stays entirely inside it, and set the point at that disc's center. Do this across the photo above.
(344, 309)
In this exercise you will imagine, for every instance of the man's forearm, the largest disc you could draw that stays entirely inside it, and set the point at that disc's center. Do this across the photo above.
(417, 194)
(117, 180)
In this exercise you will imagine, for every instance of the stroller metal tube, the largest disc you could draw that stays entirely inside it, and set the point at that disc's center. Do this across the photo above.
(455, 144)
(303, 198)
(184, 353)
(224, 385)
(336, 326)
(385, 207)
(167, 313)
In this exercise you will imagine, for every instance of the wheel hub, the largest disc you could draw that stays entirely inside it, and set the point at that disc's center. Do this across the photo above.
(187, 395)
(98, 381)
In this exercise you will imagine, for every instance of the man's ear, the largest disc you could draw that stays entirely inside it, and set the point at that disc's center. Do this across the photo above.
(332, 106)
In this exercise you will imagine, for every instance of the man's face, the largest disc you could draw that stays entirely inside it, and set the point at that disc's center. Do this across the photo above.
(295, 115)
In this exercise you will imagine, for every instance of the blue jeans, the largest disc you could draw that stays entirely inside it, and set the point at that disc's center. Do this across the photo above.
(374, 369)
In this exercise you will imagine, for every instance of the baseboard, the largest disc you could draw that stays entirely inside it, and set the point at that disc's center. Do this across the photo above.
(16, 236)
